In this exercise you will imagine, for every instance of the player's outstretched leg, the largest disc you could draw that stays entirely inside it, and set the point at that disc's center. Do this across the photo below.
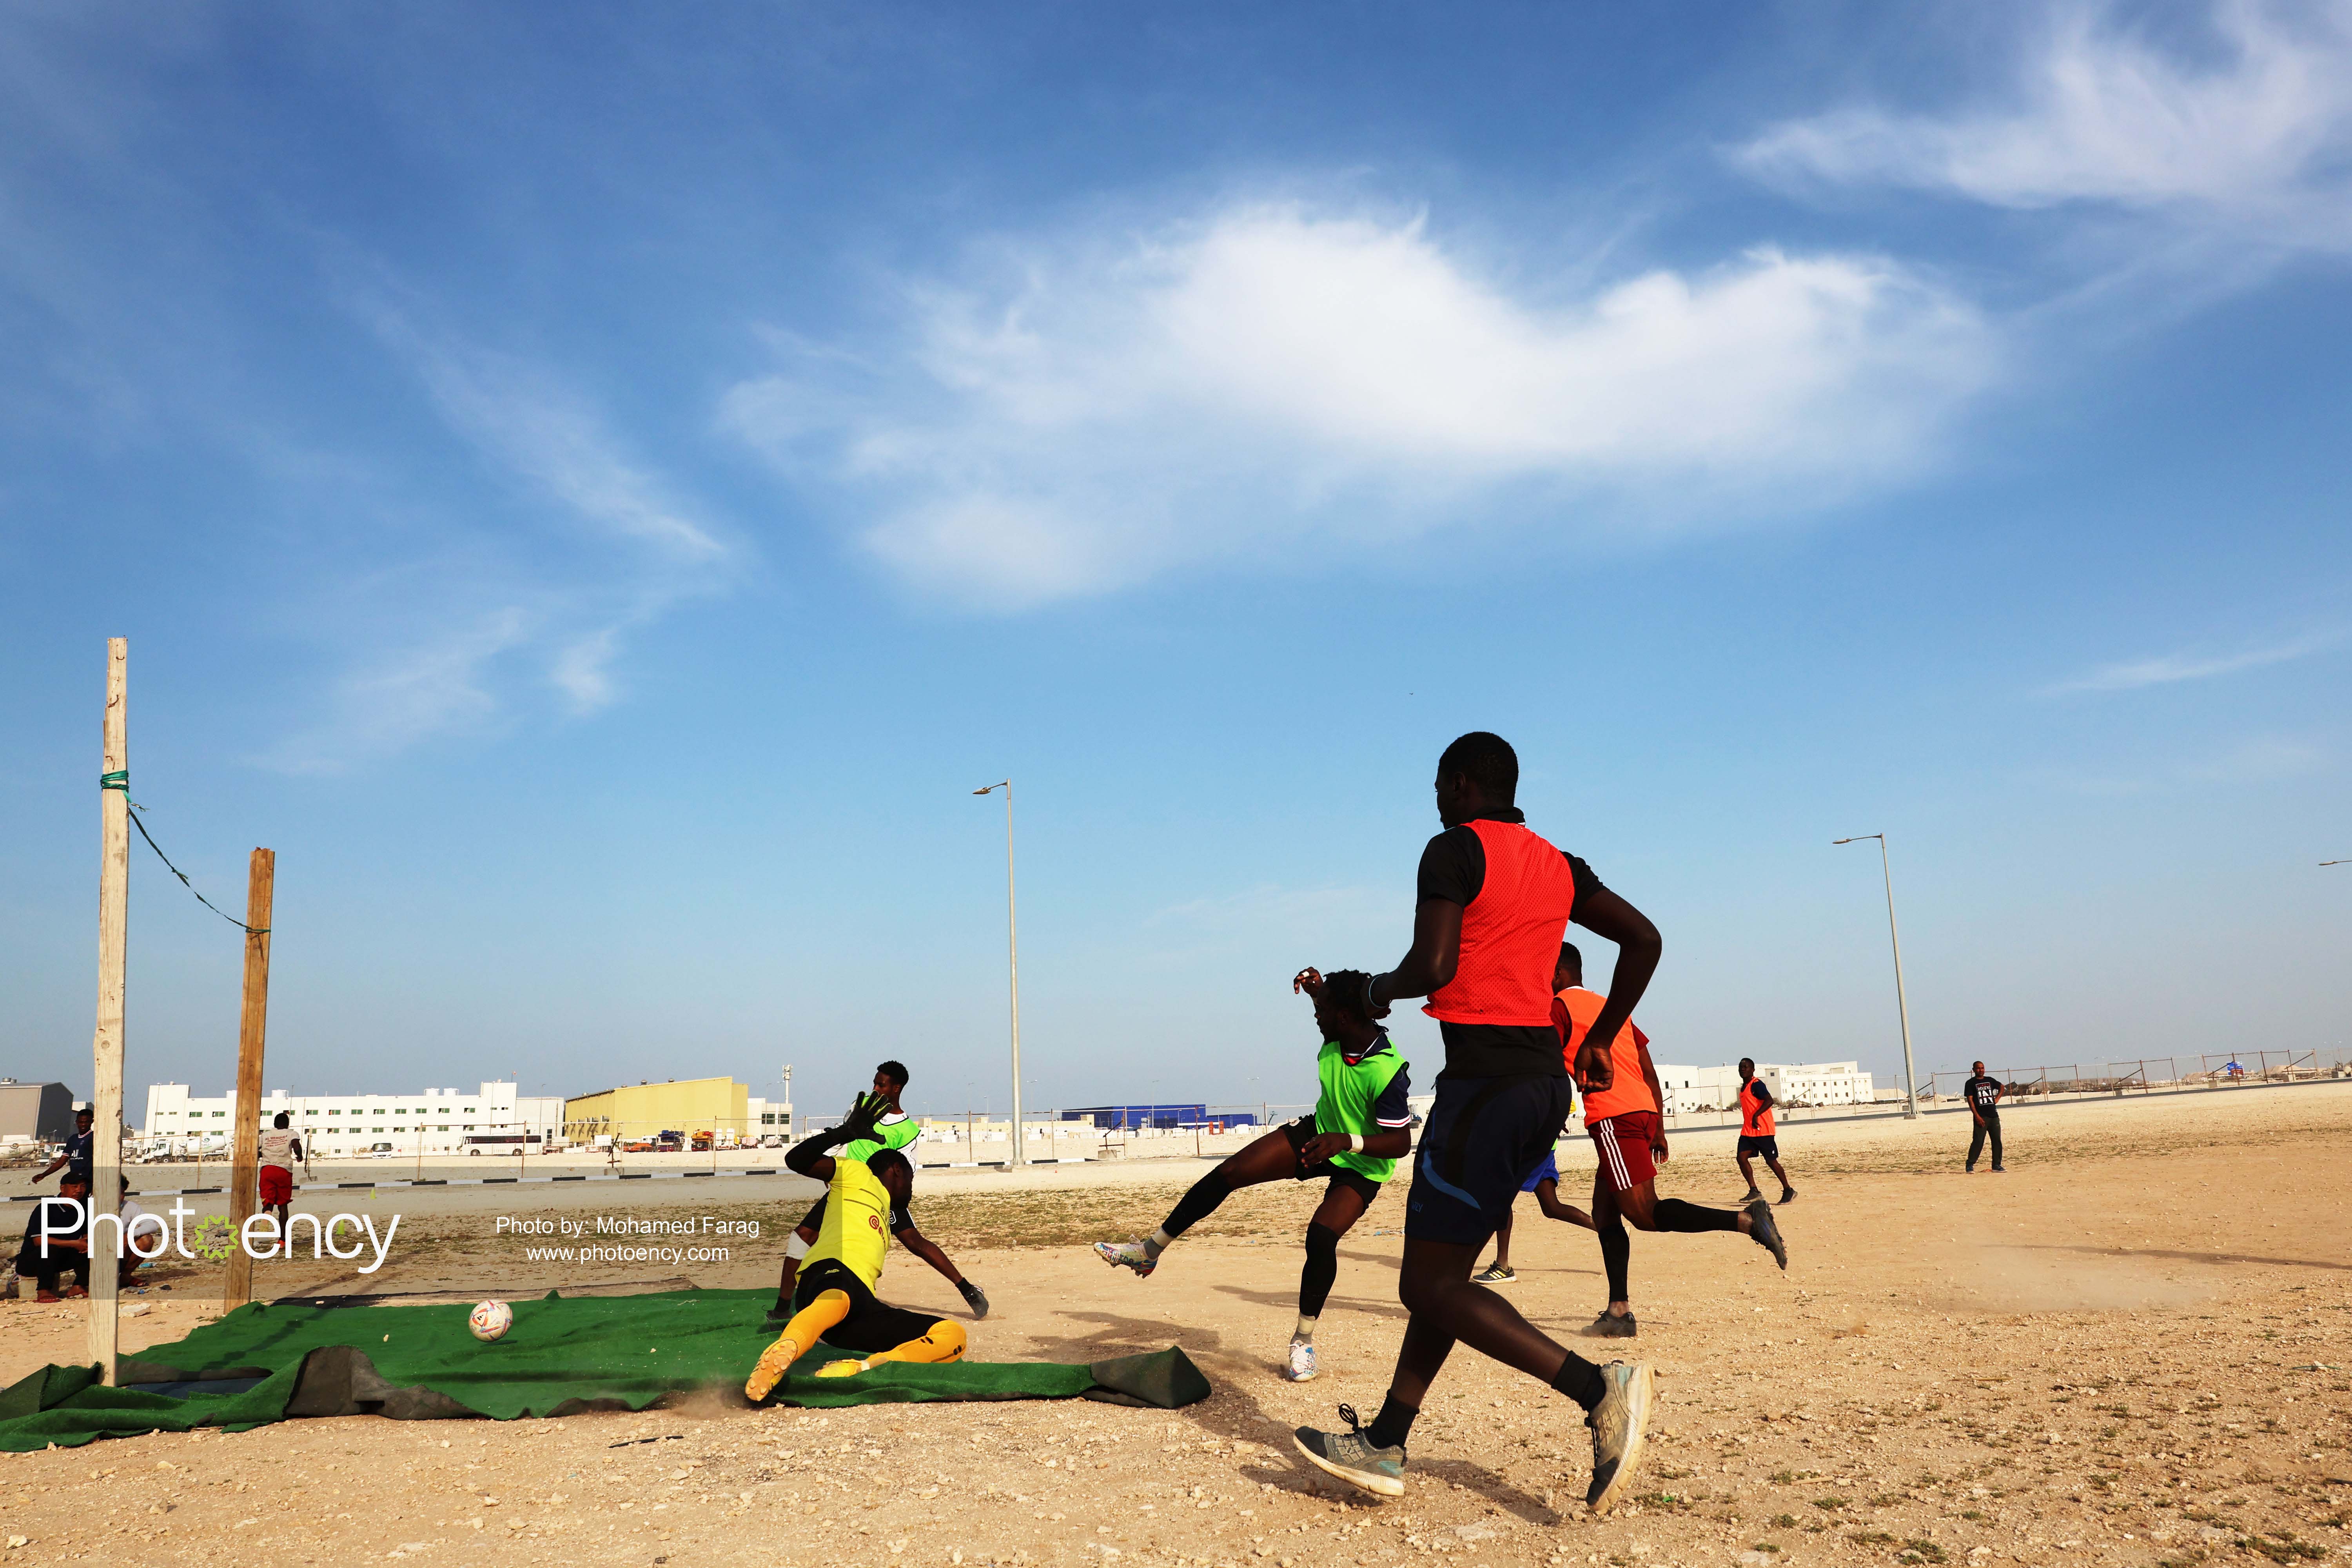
(1344, 1202)
(1272, 1158)
(944, 1342)
(808, 1327)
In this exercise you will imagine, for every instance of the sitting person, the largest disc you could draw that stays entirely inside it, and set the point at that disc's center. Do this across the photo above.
(145, 1237)
(834, 1298)
(57, 1242)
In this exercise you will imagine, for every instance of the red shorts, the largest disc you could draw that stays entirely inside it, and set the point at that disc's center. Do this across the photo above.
(277, 1185)
(1624, 1145)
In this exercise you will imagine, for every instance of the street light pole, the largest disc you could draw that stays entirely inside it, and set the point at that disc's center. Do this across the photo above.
(1012, 960)
(1902, 1007)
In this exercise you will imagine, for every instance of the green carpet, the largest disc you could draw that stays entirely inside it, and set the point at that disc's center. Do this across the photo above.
(562, 1357)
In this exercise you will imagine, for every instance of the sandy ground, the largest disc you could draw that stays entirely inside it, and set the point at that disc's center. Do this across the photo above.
(2130, 1349)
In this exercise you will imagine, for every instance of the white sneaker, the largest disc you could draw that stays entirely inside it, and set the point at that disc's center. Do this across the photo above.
(1132, 1255)
(1302, 1360)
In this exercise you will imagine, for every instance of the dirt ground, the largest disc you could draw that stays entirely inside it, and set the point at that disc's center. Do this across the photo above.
(2133, 1348)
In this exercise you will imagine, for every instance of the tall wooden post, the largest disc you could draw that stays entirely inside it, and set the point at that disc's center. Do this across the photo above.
(106, 1046)
(252, 1033)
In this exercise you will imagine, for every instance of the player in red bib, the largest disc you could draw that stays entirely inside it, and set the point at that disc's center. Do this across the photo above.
(1495, 898)
(1756, 1136)
(1623, 1106)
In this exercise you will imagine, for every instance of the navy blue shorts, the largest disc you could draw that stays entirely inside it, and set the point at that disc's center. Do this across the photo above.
(1484, 1138)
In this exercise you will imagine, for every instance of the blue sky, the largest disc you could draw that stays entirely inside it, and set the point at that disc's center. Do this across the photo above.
(596, 489)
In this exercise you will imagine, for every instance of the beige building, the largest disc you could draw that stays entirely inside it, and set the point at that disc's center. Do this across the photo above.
(691, 1106)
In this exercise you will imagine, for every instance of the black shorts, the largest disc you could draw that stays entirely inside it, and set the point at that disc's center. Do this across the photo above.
(1299, 1133)
(873, 1325)
(1484, 1137)
(1770, 1147)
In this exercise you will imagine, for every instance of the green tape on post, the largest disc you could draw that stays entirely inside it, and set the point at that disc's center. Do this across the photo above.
(121, 781)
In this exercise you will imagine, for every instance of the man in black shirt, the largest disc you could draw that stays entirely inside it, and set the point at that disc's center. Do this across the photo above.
(75, 1157)
(1983, 1095)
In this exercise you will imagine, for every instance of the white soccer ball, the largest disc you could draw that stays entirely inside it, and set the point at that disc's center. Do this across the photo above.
(491, 1319)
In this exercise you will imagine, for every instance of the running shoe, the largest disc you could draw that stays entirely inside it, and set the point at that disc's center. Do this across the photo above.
(974, 1297)
(1351, 1456)
(1610, 1326)
(774, 1361)
(1750, 1195)
(779, 1315)
(1620, 1425)
(1495, 1274)
(1127, 1255)
(1302, 1360)
(1766, 1233)
(1788, 1194)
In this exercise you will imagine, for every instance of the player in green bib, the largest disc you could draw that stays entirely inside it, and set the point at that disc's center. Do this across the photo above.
(893, 1130)
(1360, 1129)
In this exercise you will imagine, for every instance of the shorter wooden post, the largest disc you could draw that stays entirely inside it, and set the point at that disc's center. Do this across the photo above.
(252, 1037)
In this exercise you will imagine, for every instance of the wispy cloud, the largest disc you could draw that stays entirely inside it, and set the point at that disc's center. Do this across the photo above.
(456, 635)
(2249, 132)
(1263, 377)
(2269, 759)
(2167, 669)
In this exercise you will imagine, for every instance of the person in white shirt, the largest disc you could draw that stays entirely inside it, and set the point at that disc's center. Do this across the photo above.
(279, 1150)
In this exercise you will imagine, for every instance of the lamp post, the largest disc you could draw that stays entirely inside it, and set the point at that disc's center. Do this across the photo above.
(1902, 1007)
(1012, 963)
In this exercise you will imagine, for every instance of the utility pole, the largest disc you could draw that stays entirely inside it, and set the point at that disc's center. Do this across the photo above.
(1902, 1007)
(1012, 949)
(252, 1033)
(106, 1046)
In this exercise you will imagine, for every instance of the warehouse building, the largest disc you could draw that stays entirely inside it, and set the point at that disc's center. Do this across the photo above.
(727, 1113)
(34, 1112)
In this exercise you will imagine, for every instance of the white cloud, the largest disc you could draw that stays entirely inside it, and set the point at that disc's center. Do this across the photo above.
(436, 683)
(2167, 669)
(2253, 136)
(557, 602)
(1266, 379)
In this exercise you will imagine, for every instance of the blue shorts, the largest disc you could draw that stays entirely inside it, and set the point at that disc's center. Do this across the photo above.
(1547, 1172)
(1483, 1139)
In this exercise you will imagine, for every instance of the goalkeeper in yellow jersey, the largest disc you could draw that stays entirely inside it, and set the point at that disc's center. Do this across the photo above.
(834, 1298)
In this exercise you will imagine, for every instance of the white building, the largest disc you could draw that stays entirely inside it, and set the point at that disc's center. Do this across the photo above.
(1693, 1089)
(1690, 1088)
(494, 1120)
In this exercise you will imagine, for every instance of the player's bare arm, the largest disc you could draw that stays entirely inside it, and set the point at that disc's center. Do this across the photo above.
(1392, 1143)
(1606, 915)
(1429, 965)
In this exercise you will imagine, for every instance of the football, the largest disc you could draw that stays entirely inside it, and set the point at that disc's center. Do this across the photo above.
(491, 1319)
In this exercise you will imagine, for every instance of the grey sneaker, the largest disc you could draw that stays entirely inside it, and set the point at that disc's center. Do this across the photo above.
(1495, 1274)
(1788, 1194)
(1351, 1456)
(1766, 1233)
(1620, 1423)
(1610, 1326)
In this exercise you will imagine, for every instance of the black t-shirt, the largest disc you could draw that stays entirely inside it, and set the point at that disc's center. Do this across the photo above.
(1453, 867)
(1982, 1092)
